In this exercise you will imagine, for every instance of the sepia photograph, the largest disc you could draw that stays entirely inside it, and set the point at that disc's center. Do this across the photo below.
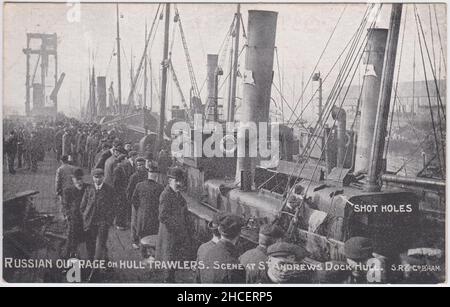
(224, 144)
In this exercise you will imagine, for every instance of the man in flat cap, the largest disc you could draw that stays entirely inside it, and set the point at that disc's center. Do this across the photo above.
(98, 209)
(221, 261)
(283, 265)
(71, 202)
(174, 239)
(207, 246)
(256, 259)
(145, 207)
(121, 178)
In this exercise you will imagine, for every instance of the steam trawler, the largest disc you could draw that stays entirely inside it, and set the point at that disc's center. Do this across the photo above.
(330, 182)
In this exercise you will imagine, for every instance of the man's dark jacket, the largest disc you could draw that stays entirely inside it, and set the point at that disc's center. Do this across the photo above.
(98, 207)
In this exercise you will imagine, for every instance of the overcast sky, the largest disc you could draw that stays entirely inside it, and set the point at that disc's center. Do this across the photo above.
(302, 32)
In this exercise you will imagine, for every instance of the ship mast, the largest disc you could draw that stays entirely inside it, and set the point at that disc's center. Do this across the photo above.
(232, 102)
(119, 80)
(144, 104)
(375, 164)
(164, 75)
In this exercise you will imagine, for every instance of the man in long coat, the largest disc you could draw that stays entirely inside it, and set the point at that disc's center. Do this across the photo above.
(66, 143)
(71, 202)
(63, 177)
(121, 178)
(34, 149)
(122, 174)
(145, 207)
(111, 164)
(59, 143)
(174, 239)
(91, 148)
(98, 209)
(81, 148)
(76, 142)
(10, 148)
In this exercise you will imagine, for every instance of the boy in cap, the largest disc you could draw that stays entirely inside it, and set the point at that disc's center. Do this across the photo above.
(98, 209)
(174, 239)
(225, 254)
(256, 259)
(145, 207)
(71, 202)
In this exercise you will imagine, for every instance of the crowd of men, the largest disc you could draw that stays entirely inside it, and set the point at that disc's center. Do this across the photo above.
(25, 144)
(125, 192)
(140, 191)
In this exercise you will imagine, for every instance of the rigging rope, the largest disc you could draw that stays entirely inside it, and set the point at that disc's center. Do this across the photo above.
(288, 191)
(280, 83)
(354, 121)
(349, 43)
(439, 35)
(428, 95)
(318, 61)
(227, 37)
(410, 155)
(418, 20)
(110, 58)
(432, 35)
(396, 84)
(136, 77)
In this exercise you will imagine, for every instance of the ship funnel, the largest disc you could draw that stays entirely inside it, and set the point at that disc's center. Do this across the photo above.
(257, 81)
(373, 61)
